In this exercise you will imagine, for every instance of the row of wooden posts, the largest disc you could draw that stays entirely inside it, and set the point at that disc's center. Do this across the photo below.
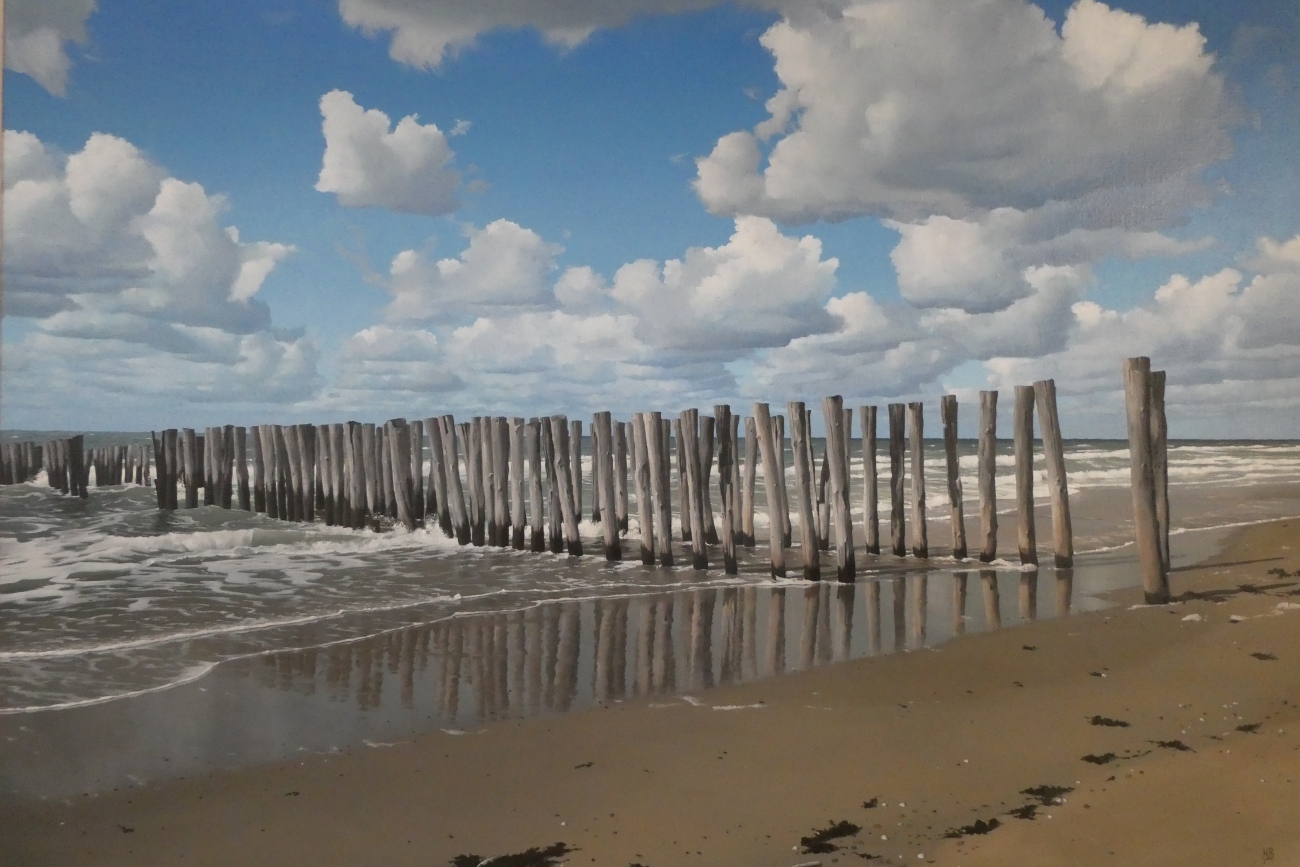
(347, 473)
(67, 464)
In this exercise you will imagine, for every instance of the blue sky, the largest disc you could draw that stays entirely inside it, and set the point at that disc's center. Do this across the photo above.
(946, 197)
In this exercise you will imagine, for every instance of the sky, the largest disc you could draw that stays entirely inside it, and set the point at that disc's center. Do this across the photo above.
(298, 210)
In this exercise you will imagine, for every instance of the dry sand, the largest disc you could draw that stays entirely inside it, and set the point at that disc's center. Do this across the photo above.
(1204, 770)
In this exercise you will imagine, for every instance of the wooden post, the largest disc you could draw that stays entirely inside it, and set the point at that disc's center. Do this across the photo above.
(531, 449)
(575, 468)
(226, 471)
(307, 449)
(1137, 396)
(1024, 442)
(171, 446)
(190, 455)
(772, 483)
(415, 477)
(287, 439)
(683, 489)
(1054, 452)
(471, 440)
(323, 478)
(562, 456)
(385, 504)
(455, 493)
(1159, 463)
(554, 510)
(988, 470)
(641, 486)
(897, 519)
(620, 474)
(870, 480)
(660, 483)
(595, 477)
(690, 451)
(259, 470)
(920, 532)
(397, 439)
(501, 470)
(948, 416)
(737, 524)
(836, 452)
(518, 515)
(437, 489)
(802, 489)
(706, 479)
(211, 442)
(822, 505)
(241, 468)
(340, 444)
(726, 485)
(747, 486)
(160, 490)
(602, 436)
(357, 470)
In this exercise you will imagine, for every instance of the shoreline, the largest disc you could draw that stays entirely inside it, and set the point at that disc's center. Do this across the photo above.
(741, 774)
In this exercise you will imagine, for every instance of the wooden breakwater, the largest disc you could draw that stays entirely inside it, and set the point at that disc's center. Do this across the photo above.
(518, 483)
(68, 464)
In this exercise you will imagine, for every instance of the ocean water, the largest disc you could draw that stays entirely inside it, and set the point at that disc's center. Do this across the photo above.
(107, 598)
(236, 638)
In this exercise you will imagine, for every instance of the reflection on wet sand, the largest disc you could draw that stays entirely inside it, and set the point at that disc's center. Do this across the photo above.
(562, 655)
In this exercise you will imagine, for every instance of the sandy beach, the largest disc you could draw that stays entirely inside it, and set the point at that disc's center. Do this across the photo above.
(1133, 735)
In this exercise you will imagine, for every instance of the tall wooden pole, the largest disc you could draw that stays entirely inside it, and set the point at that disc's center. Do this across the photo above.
(1137, 395)
(897, 514)
(1024, 444)
(1160, 462)
(870, 480)
(641, 487)
(602, 435)
(988, 470)
(1054, 452)
(920, 532)
(803, 490)
(726, 485)
(656, 427)
(771, 482)
(948, 416)
(845, 561)
(747, 485)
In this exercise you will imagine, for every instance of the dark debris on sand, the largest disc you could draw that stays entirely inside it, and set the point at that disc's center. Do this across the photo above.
(1174, 745)
(1249, 728)
(1103, 759)
(534, 857)
(1047, 794)
(819, 842)
(1107, 721)
(979, 826)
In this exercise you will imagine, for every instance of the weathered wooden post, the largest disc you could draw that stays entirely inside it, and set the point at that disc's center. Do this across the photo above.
(706, 479)
(836, 451)
(772, 484)
(518, 515)
(169, 448)
(397, 439)
(726, 485)
(562, 456)
(988, 470)
(1159, 463)
(324, 493)
(342, 493)
(948, 416)
(554, 511)
(211, 443)
(1137, 396)
(241, 468)
(897, 514)
(822, 503)
(595, 477)
(575, 468)
(77, 470)
(532, 449)
(683, 489)
(641, 486)
(436, 499)
(226, 471)
(370, 469)
(802, 489)
(620, 474)
(690, 451)
(287, 443)
(870, 479)
(384, 504)
(471, 442)
(660, 483)
(451, 468)
(259, 469)
(1024, 443)
(356, 468)
(160, 490)
(920, 532)
(747, 486)
(307, 446)
(602, 436)
(501, 470)
(1054, 452)
(191, 454)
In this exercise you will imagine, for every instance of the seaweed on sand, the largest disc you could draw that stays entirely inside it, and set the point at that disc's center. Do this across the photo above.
(533, 857)
(819, 842)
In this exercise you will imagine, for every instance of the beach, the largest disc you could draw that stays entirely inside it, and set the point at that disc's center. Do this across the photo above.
(1187, 715)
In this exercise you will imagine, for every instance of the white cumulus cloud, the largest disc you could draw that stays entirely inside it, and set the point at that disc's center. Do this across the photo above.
(369, 163)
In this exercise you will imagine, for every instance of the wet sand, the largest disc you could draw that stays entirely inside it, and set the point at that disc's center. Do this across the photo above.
(1205, 771)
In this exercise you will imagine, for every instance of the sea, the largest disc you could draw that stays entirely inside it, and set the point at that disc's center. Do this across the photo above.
(209, 638)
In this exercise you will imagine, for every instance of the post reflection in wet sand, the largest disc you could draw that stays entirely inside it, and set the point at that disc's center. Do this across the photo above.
(568, 654)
